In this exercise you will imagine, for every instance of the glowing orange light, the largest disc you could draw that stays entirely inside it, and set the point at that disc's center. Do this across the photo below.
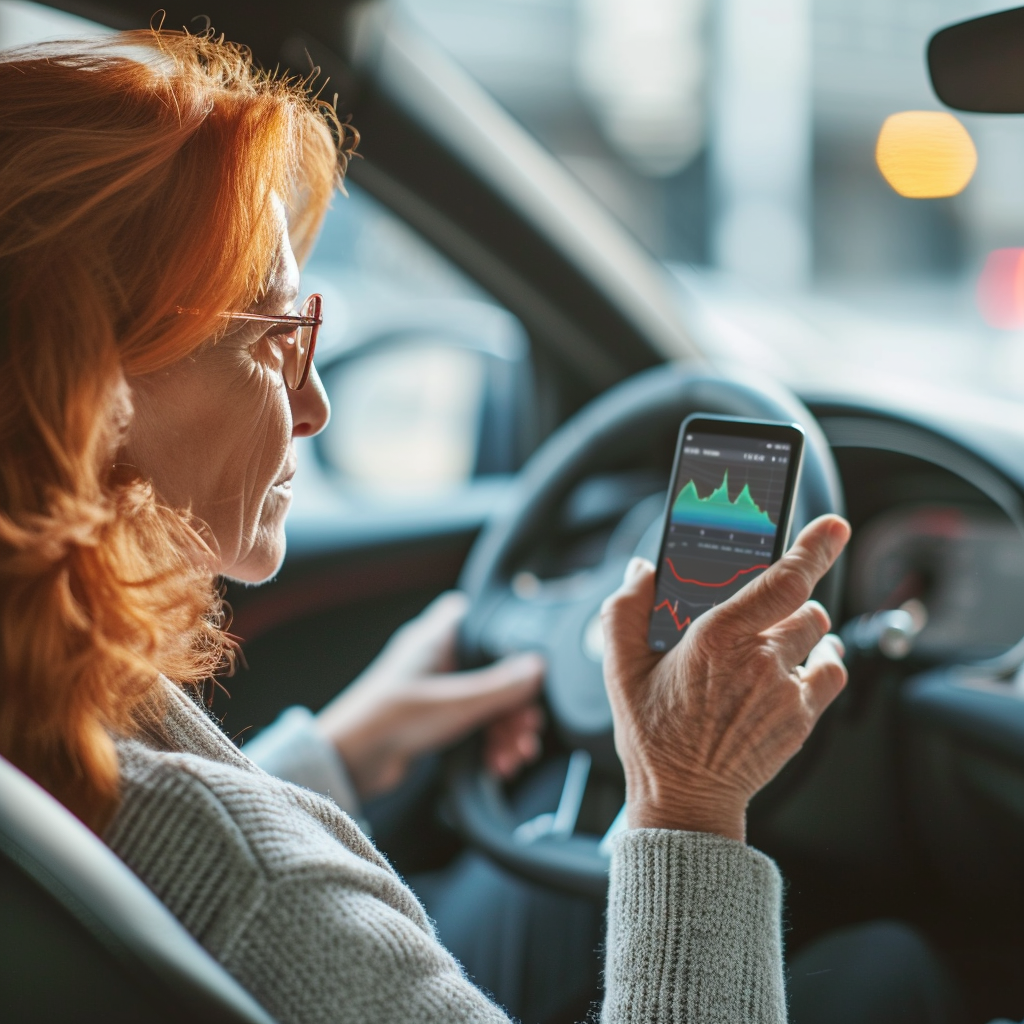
(925, 154)
(1001, 289)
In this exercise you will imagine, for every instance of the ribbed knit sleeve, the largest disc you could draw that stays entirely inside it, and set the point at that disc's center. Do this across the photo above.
(693, 932)
(293, 749)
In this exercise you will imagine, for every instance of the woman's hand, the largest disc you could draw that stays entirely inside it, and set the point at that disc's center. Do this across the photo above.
(701, 729)
(410, 701)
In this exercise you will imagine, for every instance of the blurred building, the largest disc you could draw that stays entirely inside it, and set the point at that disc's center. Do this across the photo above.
(741, 132)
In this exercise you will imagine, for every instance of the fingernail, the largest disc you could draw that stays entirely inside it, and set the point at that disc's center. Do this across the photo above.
(531, 661)
(635, 568)
(840, 531)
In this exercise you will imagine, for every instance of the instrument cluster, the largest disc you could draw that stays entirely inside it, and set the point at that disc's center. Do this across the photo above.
(963, 562)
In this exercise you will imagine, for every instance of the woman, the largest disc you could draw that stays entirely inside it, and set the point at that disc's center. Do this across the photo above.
(155, 197)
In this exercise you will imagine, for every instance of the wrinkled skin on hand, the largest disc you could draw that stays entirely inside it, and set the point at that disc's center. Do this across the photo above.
(702, 728)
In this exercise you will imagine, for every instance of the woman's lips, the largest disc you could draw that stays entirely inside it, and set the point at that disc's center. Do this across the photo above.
(285, 479)
(283, 487)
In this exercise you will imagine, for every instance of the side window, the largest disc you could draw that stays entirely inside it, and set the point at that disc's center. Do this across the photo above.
(426, 374)
(22, 23)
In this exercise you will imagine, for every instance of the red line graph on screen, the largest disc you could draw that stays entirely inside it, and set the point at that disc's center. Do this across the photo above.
(673, 610)
(725, 583)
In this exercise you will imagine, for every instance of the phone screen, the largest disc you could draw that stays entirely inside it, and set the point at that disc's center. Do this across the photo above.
(727, 518)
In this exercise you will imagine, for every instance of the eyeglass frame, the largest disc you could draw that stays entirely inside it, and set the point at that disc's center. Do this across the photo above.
(316, 322)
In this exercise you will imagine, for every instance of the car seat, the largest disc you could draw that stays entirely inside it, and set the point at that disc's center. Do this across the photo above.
(81, 937)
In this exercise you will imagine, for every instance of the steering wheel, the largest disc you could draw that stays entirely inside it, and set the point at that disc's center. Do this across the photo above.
(512, 611)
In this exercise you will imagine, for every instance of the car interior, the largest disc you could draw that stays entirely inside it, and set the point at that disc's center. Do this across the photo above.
(508, 369)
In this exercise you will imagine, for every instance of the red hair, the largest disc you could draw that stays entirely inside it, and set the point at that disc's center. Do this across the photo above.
(137, 175)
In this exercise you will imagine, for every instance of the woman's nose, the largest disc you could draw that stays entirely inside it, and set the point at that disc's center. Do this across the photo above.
(310, 408)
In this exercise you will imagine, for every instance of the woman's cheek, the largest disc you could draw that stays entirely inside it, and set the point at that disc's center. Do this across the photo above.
(266, 438)
(259, 555)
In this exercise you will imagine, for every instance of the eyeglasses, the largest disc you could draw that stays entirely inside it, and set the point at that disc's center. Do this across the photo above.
(296, 333)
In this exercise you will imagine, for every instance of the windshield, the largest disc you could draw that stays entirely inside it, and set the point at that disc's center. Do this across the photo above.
(737, 141)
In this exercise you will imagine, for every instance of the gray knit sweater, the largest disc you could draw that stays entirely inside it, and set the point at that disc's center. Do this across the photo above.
(283, 888)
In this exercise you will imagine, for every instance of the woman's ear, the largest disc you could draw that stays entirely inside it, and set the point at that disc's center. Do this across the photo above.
(114, 426)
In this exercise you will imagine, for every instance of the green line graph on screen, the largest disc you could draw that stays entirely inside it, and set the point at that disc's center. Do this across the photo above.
(719, 512)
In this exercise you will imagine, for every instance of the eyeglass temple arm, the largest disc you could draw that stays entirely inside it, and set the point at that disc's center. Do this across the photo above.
(301, 321)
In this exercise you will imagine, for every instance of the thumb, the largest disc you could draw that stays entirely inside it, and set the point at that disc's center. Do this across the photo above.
(626, 616)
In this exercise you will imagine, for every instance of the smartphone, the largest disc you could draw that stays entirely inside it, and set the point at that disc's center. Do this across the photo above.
(727, 517)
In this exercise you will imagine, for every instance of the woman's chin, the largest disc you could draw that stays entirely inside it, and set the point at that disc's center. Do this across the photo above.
(263, 560)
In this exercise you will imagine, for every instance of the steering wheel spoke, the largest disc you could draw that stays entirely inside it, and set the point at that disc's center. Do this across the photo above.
(514, 624)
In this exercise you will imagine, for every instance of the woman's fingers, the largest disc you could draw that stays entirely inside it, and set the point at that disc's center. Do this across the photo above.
(795, 637)
(782, 589)
(464, 701)
(824, 675)
(702, 729)
(513, 740)
(625, 621)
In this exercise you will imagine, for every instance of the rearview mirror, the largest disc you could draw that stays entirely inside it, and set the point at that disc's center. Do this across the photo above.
(977, 65)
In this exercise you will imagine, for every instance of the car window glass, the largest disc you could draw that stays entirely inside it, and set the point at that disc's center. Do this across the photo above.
(22, 23)
(413, 355)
